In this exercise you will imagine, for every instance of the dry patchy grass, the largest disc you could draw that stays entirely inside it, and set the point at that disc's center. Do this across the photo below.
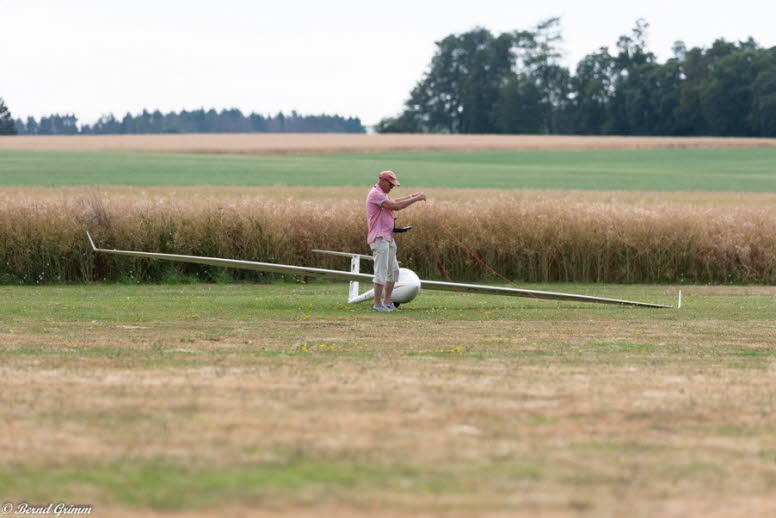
(458, 405)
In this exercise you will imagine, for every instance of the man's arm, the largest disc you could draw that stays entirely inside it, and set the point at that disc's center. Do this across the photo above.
(403, 203)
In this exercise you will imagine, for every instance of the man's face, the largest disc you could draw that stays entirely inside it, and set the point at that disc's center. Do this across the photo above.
(385, 185)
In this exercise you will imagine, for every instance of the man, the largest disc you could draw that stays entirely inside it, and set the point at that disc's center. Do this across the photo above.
(380, 220)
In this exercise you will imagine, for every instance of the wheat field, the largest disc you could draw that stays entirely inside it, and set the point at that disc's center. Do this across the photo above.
(524, 235)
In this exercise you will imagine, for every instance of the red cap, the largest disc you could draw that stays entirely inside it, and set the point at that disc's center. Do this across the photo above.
(390, 176)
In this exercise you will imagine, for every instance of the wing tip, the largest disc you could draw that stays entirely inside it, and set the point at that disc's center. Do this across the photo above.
(91, 241)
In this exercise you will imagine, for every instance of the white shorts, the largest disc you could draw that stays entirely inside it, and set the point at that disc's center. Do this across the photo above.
(386, 265)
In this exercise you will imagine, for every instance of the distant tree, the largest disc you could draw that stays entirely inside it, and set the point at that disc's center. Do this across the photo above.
(198, 120)
(632, 108)
(32, 126)
(593, 87)
(458, 92)
(479, 83)
(407, 122)
(58, 125)
(520, 107)
(232, 121)
(106, 124)
(156, 122)
(538, 61)
(211, 120)
(257, 122)
(764, 98)
(277, 124)
(666, 82)
(7, 126)
(727, 97)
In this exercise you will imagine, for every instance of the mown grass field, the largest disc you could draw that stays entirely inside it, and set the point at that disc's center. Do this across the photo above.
(283, 399)
(741, 170)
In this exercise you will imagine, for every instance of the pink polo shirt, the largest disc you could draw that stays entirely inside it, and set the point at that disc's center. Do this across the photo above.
(379, 220)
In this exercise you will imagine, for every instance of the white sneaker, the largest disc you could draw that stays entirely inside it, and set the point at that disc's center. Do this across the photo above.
(381, 309)
(390, 307)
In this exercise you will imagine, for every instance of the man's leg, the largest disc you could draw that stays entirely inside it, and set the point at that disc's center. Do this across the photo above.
(380, 254)
(379, 293)
(393, 270)
(388, 291)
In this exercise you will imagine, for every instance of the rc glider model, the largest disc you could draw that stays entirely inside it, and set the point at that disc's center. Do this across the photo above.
(406, 289)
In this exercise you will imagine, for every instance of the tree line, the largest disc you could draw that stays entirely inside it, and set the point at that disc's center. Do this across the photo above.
(196, 121)
(478, 82)
(514, 82)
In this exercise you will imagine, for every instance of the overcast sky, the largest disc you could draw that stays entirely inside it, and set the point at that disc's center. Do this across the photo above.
(347, 57)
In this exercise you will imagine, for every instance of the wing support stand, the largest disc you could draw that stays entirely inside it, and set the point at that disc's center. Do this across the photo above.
(355, 267)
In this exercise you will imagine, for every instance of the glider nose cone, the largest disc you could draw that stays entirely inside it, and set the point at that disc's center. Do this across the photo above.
(407, 287)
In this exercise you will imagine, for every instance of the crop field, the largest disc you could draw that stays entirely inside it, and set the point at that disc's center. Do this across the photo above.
(135, 387)
(747, 170)
(572, 236)
(290, 143)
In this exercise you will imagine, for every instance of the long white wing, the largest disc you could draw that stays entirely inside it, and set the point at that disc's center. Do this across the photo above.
(338, 275)
(515, 292)
(335, 275)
